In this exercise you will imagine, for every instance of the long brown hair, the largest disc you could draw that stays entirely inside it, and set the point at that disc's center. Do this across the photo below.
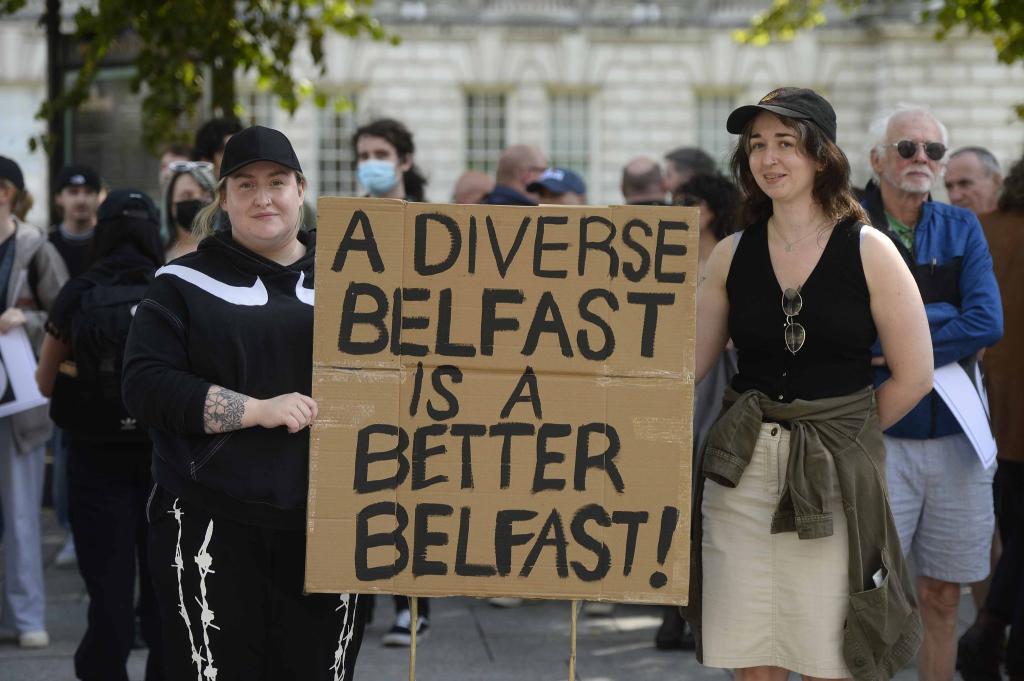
(831, 190)
(21, 201)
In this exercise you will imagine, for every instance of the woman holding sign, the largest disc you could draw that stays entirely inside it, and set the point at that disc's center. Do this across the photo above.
(797, 562)
(219, 366)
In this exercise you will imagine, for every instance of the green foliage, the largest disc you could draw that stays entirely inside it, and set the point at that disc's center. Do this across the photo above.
(10, 6)
(188, 46)
(782, 21)
(1001, 20)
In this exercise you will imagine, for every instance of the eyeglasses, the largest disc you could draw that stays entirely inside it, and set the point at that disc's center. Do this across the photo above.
(795, 333)
(908, 149)
(186, 166)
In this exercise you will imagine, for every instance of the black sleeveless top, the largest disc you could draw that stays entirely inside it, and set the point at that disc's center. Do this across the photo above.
(836, 315)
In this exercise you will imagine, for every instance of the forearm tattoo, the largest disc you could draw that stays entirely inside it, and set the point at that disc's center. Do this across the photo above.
(223, 410)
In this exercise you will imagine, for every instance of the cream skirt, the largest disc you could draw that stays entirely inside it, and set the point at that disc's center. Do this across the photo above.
(771, 599)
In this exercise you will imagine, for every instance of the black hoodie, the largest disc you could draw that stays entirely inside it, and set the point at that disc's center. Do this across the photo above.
(229, 317)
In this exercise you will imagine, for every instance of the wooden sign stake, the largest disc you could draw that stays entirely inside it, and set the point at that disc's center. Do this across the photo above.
(413, 626)
(572, 641)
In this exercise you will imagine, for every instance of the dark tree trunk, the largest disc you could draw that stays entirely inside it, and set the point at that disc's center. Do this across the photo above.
(222, 94)
(54, 83)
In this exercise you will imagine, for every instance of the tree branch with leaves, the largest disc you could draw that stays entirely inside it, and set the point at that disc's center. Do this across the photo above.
(1001, 20)
(189, 47)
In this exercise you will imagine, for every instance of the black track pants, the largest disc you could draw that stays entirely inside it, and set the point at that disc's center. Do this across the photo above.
(231, 602)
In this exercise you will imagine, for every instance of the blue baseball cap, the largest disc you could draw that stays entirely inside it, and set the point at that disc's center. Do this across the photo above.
(558, 181)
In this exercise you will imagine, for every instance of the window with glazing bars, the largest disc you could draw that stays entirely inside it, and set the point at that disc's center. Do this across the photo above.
(336, 162)
(570, 132)
(257, 109)
(712, 137)
(485, 129)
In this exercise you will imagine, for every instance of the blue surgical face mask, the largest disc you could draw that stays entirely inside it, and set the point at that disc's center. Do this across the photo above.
(377, 176)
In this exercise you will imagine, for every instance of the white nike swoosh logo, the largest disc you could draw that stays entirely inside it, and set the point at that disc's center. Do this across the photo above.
(303, 294)
(252, 296)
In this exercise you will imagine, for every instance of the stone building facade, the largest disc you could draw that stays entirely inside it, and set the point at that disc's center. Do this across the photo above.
(593, 82)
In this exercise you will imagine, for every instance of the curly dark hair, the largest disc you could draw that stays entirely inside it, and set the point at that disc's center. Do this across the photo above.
(400, 138)
(1012, 197)
(721, 195)
(210, 137)
(832, 189)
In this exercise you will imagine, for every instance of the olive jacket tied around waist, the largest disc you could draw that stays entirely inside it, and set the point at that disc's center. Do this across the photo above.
(883, 628)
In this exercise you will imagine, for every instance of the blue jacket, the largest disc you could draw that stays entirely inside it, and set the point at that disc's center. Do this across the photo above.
(506, 196)
(953, 269)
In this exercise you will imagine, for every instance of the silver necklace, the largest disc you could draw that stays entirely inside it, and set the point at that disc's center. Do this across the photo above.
(789, 244)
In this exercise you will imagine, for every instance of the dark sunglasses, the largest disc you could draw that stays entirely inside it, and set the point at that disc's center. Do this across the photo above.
(186, 166)
(795, 333)
(908, 149)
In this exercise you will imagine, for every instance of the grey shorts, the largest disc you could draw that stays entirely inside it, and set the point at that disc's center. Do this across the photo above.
(941, 498)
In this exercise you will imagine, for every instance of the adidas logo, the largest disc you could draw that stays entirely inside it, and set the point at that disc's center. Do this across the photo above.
(129, 423)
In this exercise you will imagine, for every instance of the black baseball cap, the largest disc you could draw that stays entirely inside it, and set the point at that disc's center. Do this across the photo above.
(11, 171)
(128, 203)
(791, 102)
(77, 176)
(257, 143)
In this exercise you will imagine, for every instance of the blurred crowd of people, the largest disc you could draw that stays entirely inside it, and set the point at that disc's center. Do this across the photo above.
(961, 522)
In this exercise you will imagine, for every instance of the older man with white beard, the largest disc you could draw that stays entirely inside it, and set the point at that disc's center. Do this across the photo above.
(940, 492)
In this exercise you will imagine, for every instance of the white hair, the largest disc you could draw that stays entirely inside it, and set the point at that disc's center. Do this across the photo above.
(880, 126)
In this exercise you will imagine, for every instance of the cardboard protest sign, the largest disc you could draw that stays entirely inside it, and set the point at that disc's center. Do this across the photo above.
(505, 401)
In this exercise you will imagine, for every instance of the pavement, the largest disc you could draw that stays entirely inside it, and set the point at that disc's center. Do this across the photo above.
(468, 640)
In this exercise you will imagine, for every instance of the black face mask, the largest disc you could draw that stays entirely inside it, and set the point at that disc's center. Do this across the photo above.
(185, 212)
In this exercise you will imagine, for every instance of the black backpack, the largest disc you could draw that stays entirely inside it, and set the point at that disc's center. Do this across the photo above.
(87, 398)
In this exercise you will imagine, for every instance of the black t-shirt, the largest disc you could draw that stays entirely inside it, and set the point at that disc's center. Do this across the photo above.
(836, 314)
(73, 250)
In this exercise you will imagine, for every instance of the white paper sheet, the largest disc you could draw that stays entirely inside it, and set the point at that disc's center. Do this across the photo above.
(965, 396)
(18, 389)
